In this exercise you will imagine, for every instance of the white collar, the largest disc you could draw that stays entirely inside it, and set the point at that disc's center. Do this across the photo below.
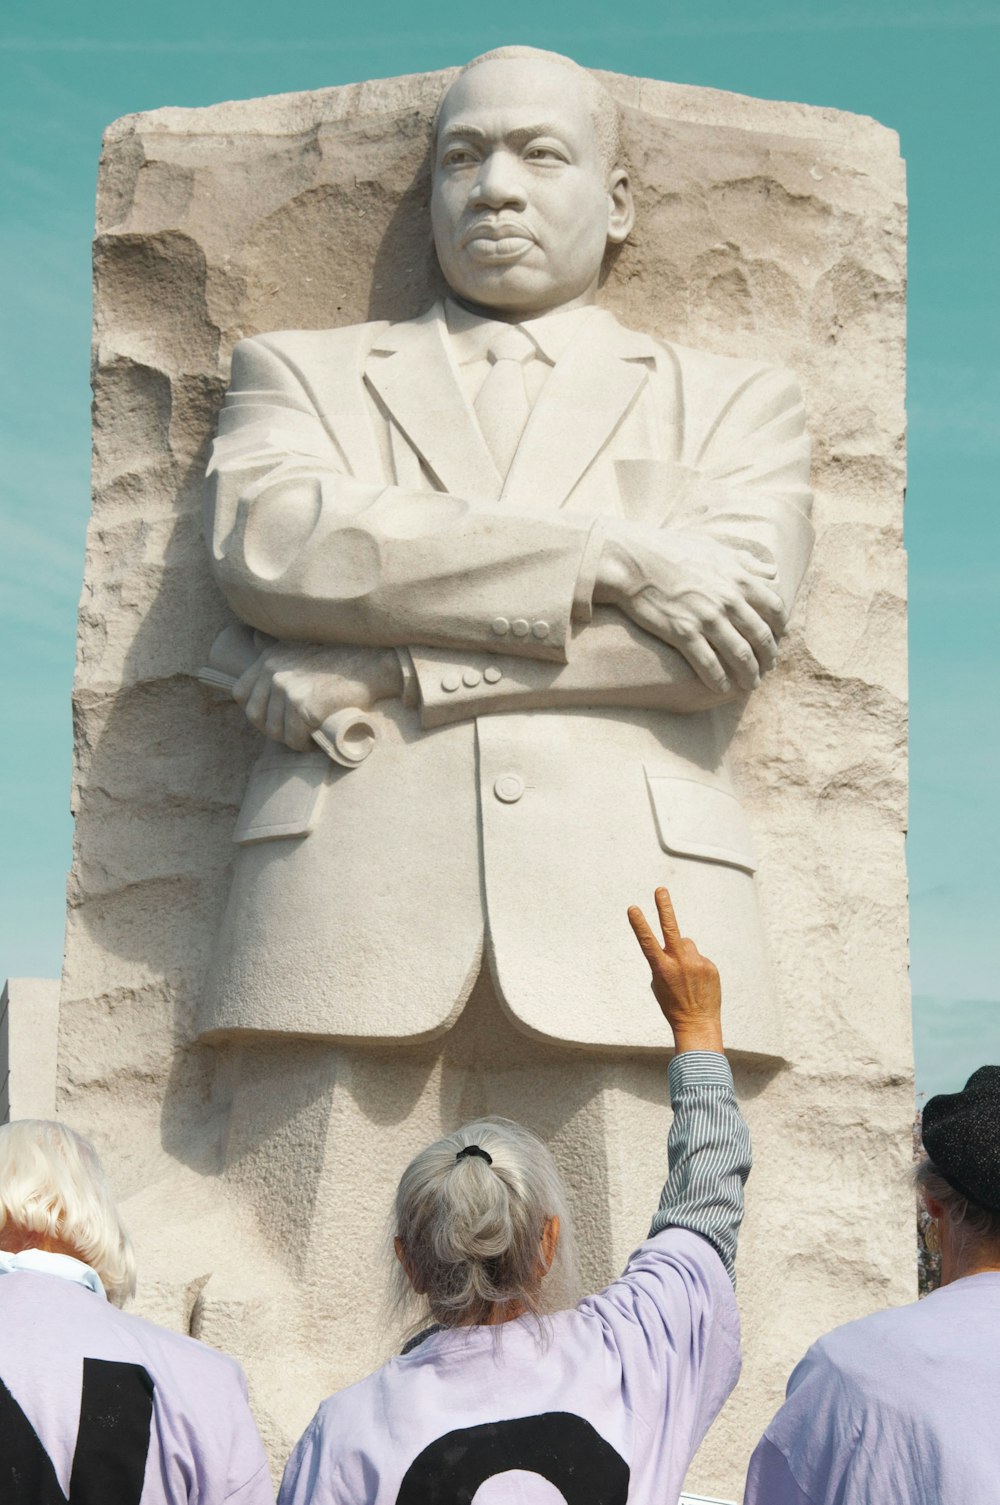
(551, 333)
(42, 1262)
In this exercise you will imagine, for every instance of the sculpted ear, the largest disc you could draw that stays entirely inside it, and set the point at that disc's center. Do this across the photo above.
(621, 216)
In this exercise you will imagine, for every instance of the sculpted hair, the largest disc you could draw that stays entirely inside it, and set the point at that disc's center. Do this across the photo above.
(973, 1226)
(53, 1190)
(471, 1231)
(604, 111)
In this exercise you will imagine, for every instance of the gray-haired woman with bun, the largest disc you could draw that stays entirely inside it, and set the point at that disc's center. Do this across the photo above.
(904, 1406)
(507, 1389)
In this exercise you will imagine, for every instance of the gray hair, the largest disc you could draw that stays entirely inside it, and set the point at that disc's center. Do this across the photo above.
(604, 111)
(972, 1226)
(53, 1190)
(471, 1231)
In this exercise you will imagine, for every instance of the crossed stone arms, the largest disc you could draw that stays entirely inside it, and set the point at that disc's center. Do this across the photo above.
(367, 591)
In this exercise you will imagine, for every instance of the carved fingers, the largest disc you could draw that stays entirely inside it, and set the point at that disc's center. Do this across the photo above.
(275, 702)
(765, 601)
(292, 688)
(714, 604)
(728, 645)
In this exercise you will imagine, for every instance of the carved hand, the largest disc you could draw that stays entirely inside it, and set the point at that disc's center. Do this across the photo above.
(685, 983)
(292, 688)
(709, 601)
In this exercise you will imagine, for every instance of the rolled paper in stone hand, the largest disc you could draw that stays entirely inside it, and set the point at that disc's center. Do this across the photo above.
(347, 737)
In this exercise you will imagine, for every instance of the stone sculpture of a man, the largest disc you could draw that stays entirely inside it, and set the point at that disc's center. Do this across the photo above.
(539, 550)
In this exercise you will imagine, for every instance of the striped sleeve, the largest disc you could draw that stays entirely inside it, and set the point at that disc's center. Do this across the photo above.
(708, 1154)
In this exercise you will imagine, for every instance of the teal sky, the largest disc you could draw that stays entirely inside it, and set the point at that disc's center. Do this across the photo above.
(929, 70)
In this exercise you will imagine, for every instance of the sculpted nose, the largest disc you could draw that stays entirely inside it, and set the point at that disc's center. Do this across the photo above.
(498, 184)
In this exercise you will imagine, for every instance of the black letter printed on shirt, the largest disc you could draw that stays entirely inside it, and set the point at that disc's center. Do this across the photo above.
(562, 1448)
(109, 1464)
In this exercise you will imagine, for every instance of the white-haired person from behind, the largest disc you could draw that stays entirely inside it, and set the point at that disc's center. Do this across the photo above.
(97, 1405)
(509, 1389)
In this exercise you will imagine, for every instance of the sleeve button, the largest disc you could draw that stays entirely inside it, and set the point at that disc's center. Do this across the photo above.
(501, 626)
(540, 629)
(492, 674)
(471, 678)
(450, 682)
(519, 627)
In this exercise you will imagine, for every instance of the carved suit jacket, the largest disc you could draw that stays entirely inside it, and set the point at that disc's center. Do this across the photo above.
(555, 762)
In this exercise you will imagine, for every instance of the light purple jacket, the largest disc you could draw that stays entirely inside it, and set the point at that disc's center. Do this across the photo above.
(625, 1386)
(96, 1404)
(900, 1408)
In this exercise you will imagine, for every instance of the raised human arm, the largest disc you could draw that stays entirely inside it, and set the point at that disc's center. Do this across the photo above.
(708, 1149)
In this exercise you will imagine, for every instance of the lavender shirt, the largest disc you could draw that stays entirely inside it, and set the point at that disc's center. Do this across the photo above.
(901, 1408)
(96, 1404)
(606, 1402)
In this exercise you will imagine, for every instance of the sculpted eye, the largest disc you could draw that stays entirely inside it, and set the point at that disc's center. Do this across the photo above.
(458, 156)
(544, 154)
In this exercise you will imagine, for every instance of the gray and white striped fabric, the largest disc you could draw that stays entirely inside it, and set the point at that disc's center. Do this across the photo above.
(708, 1154)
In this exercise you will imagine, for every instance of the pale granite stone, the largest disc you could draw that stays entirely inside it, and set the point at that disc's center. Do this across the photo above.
(29, 1032)
(257, 1171)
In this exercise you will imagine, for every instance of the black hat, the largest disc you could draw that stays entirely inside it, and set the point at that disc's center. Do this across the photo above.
(961, 1133)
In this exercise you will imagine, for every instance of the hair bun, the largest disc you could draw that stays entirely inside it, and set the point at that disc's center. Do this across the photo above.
(473, 1149)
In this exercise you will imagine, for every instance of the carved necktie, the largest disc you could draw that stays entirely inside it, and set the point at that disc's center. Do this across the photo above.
(502, 405)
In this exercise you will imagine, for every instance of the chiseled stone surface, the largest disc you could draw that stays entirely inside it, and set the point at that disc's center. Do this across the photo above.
(257, 1173)
(29, 1030)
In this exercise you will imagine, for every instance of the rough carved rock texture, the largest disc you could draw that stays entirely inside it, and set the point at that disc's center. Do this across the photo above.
(257, 1175)
(29, 1034)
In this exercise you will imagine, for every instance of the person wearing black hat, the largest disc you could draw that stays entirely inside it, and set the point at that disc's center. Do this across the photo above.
(904, 1406)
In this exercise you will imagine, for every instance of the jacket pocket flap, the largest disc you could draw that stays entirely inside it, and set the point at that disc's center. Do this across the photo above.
(699, 820)
(282, 798)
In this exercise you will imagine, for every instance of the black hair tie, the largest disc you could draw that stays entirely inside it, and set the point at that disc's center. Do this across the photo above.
(473, 1149)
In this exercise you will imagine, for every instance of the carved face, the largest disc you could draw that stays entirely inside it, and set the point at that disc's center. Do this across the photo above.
(522, 205)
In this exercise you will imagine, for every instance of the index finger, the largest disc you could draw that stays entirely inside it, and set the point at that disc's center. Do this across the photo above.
(668, 920)
(244, 684)
(650, 946)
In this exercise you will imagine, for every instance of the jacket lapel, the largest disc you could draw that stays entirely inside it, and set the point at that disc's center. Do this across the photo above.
(412, 370)
(591, 388)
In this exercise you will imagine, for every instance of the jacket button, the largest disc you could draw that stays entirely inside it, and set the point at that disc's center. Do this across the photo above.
(509, 788)
(492, 674)
(471, 678)
(501, 626)
(519, 627)
(450, 682)
(540, 629)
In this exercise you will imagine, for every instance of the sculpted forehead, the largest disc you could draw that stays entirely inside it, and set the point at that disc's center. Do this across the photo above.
(529, 90)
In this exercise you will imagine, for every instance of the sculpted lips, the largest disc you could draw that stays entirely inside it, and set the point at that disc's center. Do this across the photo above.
(497, 240)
